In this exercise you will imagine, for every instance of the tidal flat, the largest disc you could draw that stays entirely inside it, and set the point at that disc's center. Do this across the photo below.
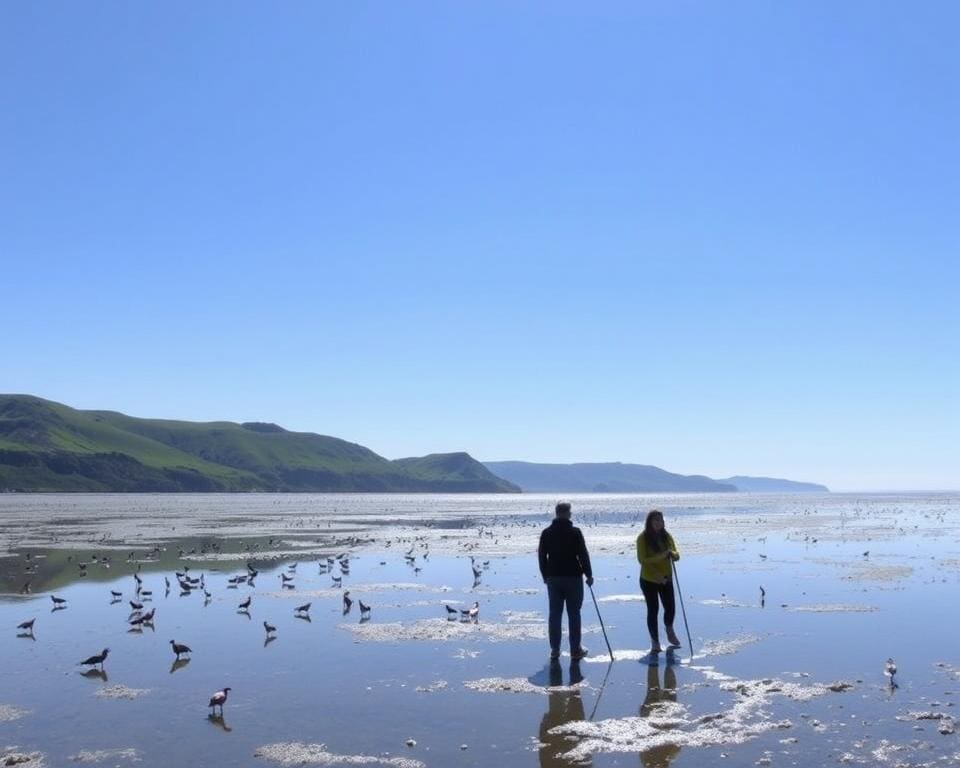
(790, 675)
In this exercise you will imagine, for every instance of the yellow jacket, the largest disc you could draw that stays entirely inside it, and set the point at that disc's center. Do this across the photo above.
(654, 566)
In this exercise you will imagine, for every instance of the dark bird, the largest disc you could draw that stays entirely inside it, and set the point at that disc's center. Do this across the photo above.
(98, 659)
(269, 627)
(472, 612)
(347, 602)
(58, 601)
(219, 699)
(363, 607)
(146, 618)
(245, 604)
(285, 578)
(114, 593)
(451, 609)
(302, 608)
(27, 625)
(135, 605)
(178, 649)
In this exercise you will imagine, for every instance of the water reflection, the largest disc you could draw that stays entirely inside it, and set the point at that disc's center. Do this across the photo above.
(95, 674)
(178, 664)
(563, 706)
(658, 695)
(218, 721)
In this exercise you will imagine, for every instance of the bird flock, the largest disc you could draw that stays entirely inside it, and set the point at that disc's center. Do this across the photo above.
(141, 617)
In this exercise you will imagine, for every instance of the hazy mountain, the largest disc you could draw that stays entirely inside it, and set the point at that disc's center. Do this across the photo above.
(600, 478)
(47, 446)
(616, 477)
(773, 485)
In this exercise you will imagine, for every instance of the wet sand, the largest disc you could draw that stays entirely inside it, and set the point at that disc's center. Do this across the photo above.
(795, 679)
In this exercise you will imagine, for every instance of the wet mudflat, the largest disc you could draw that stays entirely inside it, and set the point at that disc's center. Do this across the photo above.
(795, 679)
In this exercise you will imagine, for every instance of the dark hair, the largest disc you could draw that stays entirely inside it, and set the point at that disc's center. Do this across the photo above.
(563, 509)
(656, 542)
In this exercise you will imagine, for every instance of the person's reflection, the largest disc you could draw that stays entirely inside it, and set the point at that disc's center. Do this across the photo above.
(659, 757)
(563, 706)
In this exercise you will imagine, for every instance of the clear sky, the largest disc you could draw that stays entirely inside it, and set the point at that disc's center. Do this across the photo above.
(717, 237)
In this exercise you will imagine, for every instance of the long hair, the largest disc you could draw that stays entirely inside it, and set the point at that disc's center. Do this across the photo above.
(656, 542)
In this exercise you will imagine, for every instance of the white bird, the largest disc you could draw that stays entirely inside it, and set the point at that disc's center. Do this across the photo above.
(218, 699)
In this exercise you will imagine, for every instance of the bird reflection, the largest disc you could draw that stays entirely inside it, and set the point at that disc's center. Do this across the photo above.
(303, 617)
(268, 639)
(563, 706)
(28, 634)
(218, 721)
(95, 674)
(661, 756)
(178, 664)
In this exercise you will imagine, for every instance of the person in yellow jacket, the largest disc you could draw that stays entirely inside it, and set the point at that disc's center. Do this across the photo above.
(656, 552)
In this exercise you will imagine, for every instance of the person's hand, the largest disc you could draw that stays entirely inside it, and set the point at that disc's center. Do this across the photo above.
(589, 581)
(674, 556)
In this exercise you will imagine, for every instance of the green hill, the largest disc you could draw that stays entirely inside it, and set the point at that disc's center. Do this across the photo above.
(47, 446)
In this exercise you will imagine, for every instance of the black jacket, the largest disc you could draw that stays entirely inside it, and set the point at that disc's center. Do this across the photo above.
(562, 551)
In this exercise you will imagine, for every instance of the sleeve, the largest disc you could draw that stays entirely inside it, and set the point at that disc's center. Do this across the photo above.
(542, 555)
(673, 548)
(584, 556)
(644, 555)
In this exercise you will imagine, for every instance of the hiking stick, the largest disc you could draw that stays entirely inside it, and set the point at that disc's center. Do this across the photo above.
(603, 628)
(682, 609)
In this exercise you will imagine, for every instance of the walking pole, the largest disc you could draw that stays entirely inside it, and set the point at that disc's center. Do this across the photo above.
(682, 609)
(603, 628)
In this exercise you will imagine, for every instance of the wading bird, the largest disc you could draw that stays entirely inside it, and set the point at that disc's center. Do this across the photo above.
(58, 602)
(27, 625)
(98, 659)
(219, 699)
(305, 608)
(269, 627)
(178, 649)
(245, 604)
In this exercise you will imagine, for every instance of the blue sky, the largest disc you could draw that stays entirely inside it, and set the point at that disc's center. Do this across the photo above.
(721, 238)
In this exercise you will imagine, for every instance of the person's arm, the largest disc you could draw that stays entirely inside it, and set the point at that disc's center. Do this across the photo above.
(584, 558)
(674, 552)
(645, 557)
(542, 556)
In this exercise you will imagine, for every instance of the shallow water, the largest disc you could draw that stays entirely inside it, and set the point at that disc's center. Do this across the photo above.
(797, 680)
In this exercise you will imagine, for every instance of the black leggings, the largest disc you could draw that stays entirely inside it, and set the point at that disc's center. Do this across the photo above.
(654, 594)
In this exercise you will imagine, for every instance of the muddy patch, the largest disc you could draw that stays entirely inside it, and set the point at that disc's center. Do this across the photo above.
(728, 646)
(296, 753)
(11, 756)
(517, 685)
(831, 608)
(9, 713)
(445, 630)
(98, 756)
(121, 692)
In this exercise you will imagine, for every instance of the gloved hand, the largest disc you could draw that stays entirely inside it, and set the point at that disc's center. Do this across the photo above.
(589, 581)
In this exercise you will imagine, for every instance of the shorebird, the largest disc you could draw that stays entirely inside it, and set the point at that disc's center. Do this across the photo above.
(269, 627)
(472, 612)
(245, 604)
(890, 669)
(27, 625)
(285, 579)
(219, 699)
(58, 602)
(363, 608)
(347, 602)
(114, 593)
(178, 649)
(135, 605)
(305, 608)
(98, 659)
(337, 580)
(451, 609)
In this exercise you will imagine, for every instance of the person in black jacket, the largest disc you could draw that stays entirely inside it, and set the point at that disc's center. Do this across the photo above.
(564, 562)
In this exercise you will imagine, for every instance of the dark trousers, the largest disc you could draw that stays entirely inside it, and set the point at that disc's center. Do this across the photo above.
(565, 591)
(655, 594)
